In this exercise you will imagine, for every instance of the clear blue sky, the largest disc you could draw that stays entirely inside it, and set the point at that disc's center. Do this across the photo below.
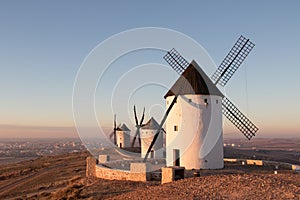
(43, 43)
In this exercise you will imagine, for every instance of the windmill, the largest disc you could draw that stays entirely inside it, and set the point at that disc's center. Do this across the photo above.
(114, 132)
(138, 127)
(148, 131)
(205, 87)
(123, 136)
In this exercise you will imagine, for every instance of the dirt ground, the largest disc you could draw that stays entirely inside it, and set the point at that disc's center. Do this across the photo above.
(63, 177)
(42, 175)
(230, 186)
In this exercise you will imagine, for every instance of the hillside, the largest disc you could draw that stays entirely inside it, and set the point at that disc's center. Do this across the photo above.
(63, 177)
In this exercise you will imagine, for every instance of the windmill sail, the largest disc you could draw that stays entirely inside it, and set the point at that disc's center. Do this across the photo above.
(230, 64)
(233, 60)
(160, 127)
(238, 119)
(227, 68)
(138, 126)
(176, 61)
(115, 129)
(113, 133)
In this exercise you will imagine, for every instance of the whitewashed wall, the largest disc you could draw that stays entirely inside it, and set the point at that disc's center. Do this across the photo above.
(147, 136)
(199, 137)
(124, 138)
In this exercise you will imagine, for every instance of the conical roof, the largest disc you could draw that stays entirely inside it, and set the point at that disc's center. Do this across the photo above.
(123, 128)
(151, 124)
(194, 81)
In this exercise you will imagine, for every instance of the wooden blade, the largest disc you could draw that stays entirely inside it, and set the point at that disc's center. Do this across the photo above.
(139, 138)
(111, 134)
(238, 119)
(115, 137)
(160, 127)
(233, 60)
(136, 119)
(142, 119)
(134, 138)
(115, 121)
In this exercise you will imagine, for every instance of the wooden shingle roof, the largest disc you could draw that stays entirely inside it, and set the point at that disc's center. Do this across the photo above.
(193, 81)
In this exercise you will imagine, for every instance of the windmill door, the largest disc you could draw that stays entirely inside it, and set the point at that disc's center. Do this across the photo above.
(176, 157)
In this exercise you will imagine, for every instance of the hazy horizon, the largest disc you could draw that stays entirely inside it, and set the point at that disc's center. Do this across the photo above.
(23, 131)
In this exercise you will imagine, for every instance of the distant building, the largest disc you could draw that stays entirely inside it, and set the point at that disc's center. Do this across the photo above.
(123, 136)
(148, 131)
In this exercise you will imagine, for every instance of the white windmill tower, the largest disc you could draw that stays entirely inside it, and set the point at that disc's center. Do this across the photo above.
(194, 128)
(198, 106)
(120, 134)
(123, 136)
(148, 132)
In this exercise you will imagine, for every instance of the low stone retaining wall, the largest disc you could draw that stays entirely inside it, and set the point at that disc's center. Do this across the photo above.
(254, 162)
(140, 171)
(280, 165)
(137, 172)
(112, 174)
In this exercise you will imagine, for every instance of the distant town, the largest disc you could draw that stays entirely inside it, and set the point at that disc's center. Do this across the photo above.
(15, 150)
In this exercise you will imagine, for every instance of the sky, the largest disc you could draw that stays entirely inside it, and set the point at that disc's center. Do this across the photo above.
(44, 43)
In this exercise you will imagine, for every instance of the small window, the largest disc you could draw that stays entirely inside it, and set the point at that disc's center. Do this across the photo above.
(217, 101)
(205, 101)
(190, 100)
(175, 128)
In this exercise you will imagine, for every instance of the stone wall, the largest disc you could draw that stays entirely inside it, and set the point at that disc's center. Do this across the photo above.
(296, 167)
(254, 162)
(111, 174)
(137, 172)
(140, 171)
(172, 173)
(230, 160)
(279, 165)
(103, 158)
(91, 166)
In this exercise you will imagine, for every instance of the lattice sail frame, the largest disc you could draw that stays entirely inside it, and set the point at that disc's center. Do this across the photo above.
(238, 119)
(176, 61)
(233, 60)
